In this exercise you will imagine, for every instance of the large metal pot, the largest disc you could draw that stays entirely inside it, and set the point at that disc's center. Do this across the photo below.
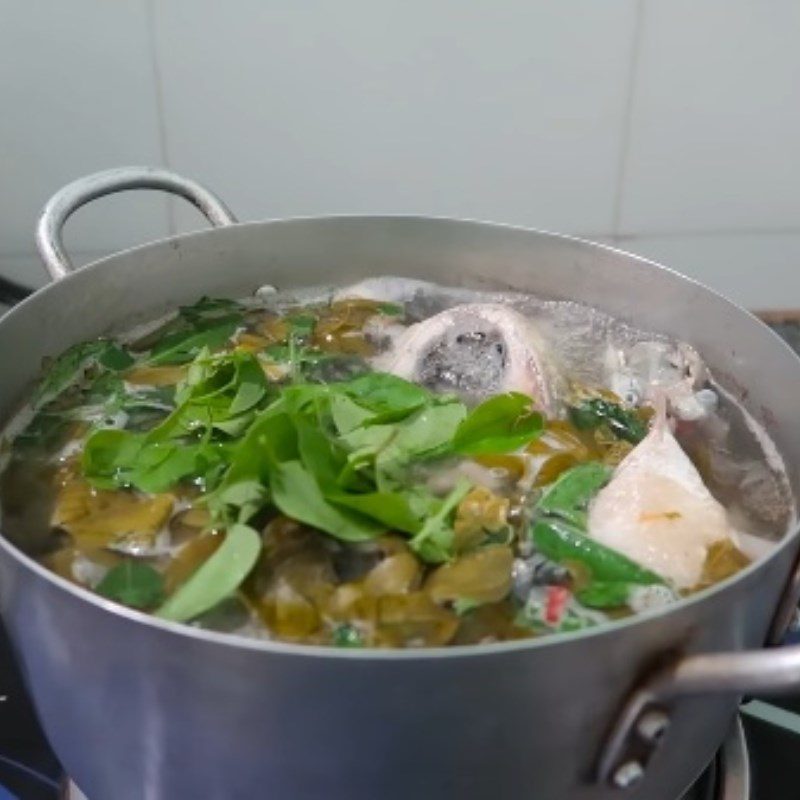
(138, 708)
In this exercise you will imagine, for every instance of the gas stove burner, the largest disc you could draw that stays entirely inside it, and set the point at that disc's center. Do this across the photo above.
(727, 777)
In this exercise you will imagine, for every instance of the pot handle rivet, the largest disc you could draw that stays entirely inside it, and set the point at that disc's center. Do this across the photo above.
(628, 774)
(653, 725)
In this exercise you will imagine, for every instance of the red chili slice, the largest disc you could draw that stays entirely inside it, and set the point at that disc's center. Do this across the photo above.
(557, 597)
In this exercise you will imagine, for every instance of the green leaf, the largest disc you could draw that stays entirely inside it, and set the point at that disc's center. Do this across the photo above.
(426, 432)
(368, 441)
(347, 636)
(434, 541)
(115, 358)
(564, 544)
(221, 392)
(624, 424)
(320, 455)
(501, 424)
(108, 451)
(173, 464)
(386, 394)
(270, 439)
(122, 458)
(133, 584)
(70, 366)
(216, 578)
(297, 494)
(239, 501)
(347, 414)
(394, 509)
(184, 345)
(568, 497)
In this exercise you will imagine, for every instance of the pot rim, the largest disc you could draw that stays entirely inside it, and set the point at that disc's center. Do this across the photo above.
(411, 653)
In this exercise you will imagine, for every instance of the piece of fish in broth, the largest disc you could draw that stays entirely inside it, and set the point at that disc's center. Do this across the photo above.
(657, 511)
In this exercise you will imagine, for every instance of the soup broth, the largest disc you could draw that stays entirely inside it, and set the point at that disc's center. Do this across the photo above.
(395, 464)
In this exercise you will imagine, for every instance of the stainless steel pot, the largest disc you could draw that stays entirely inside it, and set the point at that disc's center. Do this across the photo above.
(139, 708)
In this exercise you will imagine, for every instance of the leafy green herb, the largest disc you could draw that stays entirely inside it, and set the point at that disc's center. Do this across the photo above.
(568, 497)
(387, 396)
(73, 363)
(240, 501)
(427, 431)
(133, 584)
(219, 392)
(115, 358)
(116, 458)
(322, 460)
(297, 494)
(623, 423)
(391, 309)
(347, 414)
(215, 579)
(184, 345)
(435, 539)
(396, 510)
(347, 636)
(498, 425)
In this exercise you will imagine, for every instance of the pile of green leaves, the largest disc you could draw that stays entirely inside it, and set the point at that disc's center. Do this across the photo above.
(344, 457)
(85, 384)
(217, 401)
(559, 533)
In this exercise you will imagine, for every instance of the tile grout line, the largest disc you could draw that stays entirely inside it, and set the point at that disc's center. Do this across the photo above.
(627, 120)
(163, 139)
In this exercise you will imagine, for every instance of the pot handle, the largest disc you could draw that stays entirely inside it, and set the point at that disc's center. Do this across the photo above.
(645, 718)
(76, 194)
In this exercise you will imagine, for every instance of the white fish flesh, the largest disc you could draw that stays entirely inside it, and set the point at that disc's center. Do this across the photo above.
(657, 511)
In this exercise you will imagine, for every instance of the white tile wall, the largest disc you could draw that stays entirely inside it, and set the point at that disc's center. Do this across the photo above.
(670, 127)
(715, 129)
(758, 271)
(506, 111)
(77, 95)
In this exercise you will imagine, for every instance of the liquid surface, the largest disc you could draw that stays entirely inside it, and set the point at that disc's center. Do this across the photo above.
(394, 464)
